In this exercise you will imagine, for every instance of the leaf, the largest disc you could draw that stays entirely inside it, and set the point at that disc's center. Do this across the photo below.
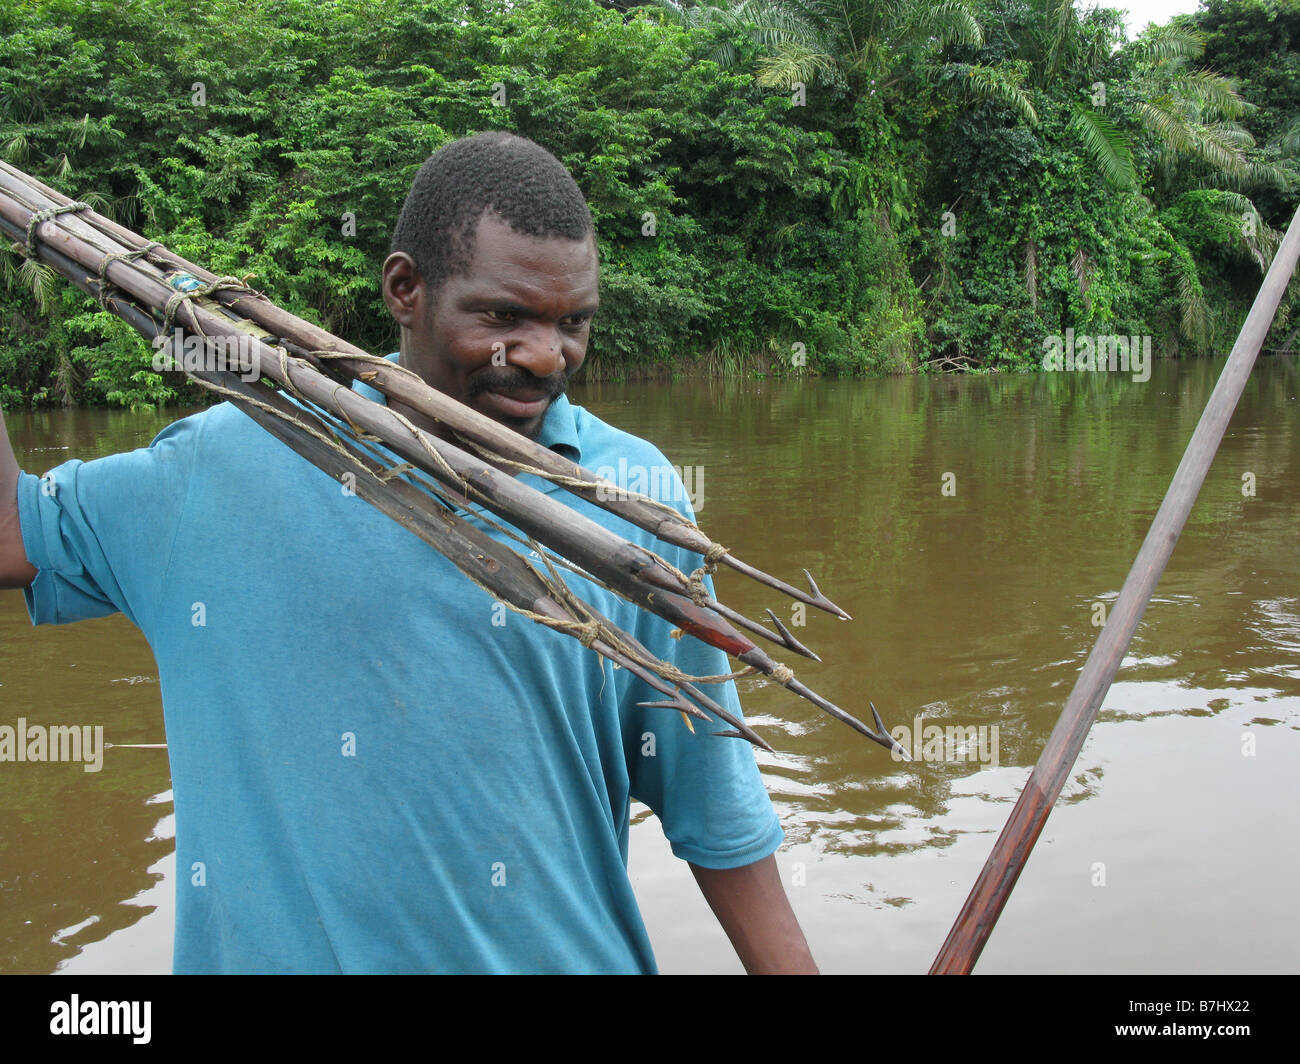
(40, 280)
(1106, 146)
(999, 85)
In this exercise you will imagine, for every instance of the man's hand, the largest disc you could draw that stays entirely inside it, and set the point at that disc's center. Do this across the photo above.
(751, 906)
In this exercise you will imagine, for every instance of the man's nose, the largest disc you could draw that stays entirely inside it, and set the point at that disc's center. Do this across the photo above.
(539, 349)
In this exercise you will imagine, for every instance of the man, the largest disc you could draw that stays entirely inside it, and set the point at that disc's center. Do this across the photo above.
(373, 768)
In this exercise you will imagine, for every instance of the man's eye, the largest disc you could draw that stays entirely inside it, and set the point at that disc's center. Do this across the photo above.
(577, 321)
(500, 315)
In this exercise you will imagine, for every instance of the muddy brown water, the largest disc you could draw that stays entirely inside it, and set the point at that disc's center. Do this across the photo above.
(977, 528)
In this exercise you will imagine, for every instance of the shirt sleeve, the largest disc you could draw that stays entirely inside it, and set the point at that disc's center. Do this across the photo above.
(705, 788)
(100, 533)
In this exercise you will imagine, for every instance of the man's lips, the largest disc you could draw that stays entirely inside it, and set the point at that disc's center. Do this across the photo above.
(524, 404)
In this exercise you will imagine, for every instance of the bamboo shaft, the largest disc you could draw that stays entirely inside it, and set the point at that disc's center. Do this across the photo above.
(665, 524)
(633, 571)
(630, 570)
(476, 554)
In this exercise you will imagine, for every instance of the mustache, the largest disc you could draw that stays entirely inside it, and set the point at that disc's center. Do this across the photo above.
(508, 379)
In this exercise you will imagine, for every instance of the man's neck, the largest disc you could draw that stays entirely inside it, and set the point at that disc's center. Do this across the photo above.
(441, 431)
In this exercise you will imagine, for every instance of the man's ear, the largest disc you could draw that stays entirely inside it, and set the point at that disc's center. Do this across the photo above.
(405, 293)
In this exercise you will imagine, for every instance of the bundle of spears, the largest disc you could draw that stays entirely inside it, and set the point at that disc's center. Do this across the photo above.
(310, 406)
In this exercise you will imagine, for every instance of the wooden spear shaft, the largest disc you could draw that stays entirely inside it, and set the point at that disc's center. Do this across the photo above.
(88, 244)
(632, 571)
(470, 549)
(403, 387)
(989, 896)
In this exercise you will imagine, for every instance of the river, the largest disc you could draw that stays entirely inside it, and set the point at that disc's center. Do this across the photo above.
(977, 529)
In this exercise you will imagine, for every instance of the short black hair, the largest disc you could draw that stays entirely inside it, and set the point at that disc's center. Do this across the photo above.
(522, 182)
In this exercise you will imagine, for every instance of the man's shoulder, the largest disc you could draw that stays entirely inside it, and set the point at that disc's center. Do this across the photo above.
(602, 442)
(633, 464)
(222, 431)
(222, 417)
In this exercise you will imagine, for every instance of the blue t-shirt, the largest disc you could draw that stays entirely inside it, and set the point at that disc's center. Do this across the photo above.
(376, 768)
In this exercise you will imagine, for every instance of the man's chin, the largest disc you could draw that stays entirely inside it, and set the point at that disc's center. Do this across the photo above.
(532, 427)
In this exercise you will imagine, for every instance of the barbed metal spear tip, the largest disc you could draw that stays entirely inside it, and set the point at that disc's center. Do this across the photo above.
(823, 601)
(881, 725)
(790, 641)
(680, 705)
(811, 598)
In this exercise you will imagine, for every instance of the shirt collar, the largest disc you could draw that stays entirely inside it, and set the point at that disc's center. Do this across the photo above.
(559, 427)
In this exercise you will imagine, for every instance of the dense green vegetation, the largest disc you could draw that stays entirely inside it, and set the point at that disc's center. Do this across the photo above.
(895, 186)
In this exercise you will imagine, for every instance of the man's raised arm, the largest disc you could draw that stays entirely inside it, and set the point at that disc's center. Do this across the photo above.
(15, 569)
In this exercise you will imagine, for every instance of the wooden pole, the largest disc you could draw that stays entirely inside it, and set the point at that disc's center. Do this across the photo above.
(630, 570)
(464, 422)
(485, 561)
(989, 896)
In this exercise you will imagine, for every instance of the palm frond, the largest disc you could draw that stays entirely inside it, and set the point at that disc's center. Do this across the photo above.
(97, 201)
(1270, 240)
(793, 63)
(697, 16)
(1059, 32)
(16, 148)
(792, 33)
(1161, 117)
(948, 22)
(682, 14)
(1194, 315)
(1219, 148)
(1260, 241)
(1215, 93)
(995, 85)
(1235, 203)
(40, 280)
(1163, 43)
(771, 25)
(1288, 141)
(1105, 145)
(9, 258)
(1234, 134)
(1261, 173)
(785, 234)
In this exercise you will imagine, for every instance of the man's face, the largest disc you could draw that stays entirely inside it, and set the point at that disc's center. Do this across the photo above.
(505, 336)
